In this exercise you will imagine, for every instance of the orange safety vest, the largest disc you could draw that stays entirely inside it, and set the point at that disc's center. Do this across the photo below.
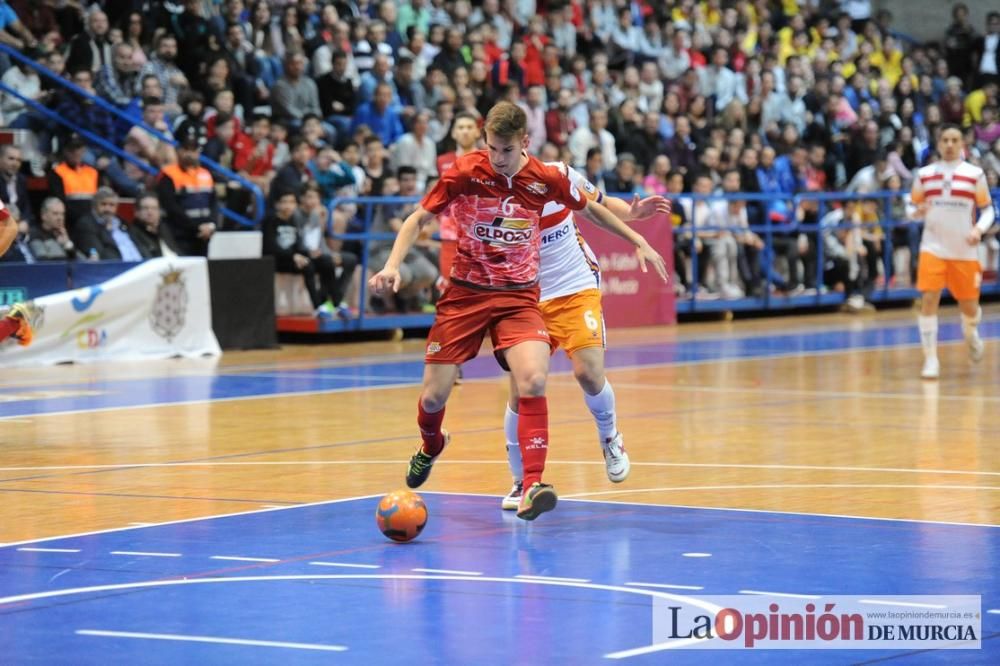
(78, 183)
(194, 188)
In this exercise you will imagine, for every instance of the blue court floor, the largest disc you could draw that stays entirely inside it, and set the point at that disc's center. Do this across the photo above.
(318, 584)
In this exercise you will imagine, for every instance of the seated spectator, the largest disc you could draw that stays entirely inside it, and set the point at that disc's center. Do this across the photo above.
(594, 136)
(24, 79)
(416, 149)
(623, 179)
(140, 142)
(322, 248)
(293, 176)
(91, 49)
(284, 242)
(417, 272)
(152, 238)
(102, 235)
(73, 181)
(716, 247)
(13, 184)
(187, 196)
(295, 95)
(254, 158)
(163, 66)
(379, 116)
(337, 97)
(119, 82)
(331, 173)
(50, 241)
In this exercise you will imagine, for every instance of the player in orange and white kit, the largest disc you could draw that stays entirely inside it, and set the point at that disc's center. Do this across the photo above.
(498, 196)
(14, 322)
(949, 195)
(570, 302)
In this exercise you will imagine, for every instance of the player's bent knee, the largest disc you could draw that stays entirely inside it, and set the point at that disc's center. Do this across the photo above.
(532, 385)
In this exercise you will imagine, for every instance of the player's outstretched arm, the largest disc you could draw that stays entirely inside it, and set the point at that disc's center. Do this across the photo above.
(388, 277)
(637, 209)
(605, 219)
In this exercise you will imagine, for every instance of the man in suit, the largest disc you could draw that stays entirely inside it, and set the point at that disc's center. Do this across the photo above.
(103, 236)
(152, 238)
(986, 52)
(13, 188)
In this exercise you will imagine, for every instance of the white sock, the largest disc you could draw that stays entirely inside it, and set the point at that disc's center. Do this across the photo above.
(513, 448)
(970, 325)
(928, 325)
(602, 406)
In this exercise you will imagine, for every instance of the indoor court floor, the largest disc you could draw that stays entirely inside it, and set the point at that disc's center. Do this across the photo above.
(222, 511)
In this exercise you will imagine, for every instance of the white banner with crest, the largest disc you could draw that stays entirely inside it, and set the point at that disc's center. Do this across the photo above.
(159, 309)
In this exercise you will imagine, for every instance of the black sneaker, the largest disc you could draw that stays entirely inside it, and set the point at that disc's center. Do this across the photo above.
(421, 463)
(541, 497)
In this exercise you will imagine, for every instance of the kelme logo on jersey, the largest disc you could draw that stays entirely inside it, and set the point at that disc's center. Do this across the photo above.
(504, 231)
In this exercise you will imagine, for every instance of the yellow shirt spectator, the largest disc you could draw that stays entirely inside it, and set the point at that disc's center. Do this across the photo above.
(974, 104)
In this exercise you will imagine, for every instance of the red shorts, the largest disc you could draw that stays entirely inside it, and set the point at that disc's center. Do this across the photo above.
(464, 316)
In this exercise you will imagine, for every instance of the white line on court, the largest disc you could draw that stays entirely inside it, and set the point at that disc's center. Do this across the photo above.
(346, 565)
(138, 553)
(790, 595)
(210, 639)
(777, 486)
(667, 586)
(449, 571)
(50, 550)
(696, 554)
(908, 604)
(189, 520)
(237, 558)
(554, 578)
(994, 611)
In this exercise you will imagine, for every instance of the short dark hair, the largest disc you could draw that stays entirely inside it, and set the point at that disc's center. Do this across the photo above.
(296, 142)
(406, 170)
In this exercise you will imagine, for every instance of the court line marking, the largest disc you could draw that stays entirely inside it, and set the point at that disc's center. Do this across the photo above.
(710, 607)
(722, 508)
(416, 382)
(695, 388)
(775, 486)
(237, 558)
(113, 530)
(265, 463)
(668, 586)
(210, 639)
(455, 572)
(345, 564)
(696, 554)
(557, 578)
(138, 553)
(908, 604)
(50, 550)
(994, 611)
(790, 595)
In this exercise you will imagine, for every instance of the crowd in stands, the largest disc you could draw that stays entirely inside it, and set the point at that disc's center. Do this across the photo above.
(312, 100)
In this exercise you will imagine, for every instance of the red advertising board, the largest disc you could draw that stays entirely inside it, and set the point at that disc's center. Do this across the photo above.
(631, 297)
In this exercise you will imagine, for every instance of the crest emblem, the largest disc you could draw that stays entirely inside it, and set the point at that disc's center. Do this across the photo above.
(170, 306)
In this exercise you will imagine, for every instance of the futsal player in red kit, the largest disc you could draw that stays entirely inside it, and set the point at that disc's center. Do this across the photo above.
(14, 320)
(497, 195)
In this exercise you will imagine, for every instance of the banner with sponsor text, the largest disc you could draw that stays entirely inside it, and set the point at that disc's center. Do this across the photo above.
(159, 309)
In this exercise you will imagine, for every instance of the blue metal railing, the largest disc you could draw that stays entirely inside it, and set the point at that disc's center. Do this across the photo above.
(686, 235)
(258, 196)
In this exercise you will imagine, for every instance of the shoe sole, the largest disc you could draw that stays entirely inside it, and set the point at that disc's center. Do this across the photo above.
(618, 478)
(510, 504)
(543, 501)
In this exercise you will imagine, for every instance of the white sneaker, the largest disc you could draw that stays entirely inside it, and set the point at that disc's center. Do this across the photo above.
(616, 459)
(976, 348)
(513, 498)
(931, 368)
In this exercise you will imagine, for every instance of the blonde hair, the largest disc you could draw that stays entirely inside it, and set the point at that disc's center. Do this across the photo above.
(506, 120)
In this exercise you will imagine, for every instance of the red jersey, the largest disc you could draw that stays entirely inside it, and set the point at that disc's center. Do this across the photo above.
(499, 218)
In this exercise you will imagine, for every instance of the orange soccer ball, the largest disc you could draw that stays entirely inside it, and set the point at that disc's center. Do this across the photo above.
(401, 515)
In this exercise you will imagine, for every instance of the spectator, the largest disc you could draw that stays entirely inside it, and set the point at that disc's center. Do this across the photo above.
(417, 150)
(140, 142)
(22, 78)
(13, 32)
(986, 52)
(960, 38)
(295, 95)
(594, 136)
(623, 180)
(91, 49)
(152, 238)
(187, 196)
(254, 158)
(293, 176)
(118, 82)
(50, 241)
(325, 251)
(13, 185)
(73, 181)
(102, 235)
(162, 66)
(337, 96)
(379, 116)
(283, 241)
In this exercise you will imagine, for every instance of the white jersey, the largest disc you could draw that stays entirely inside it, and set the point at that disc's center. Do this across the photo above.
(954, 192)
(568, 265)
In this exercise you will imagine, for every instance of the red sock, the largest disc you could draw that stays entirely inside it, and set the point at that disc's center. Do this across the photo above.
(533, 436)
(8, 327)
(430, 429)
